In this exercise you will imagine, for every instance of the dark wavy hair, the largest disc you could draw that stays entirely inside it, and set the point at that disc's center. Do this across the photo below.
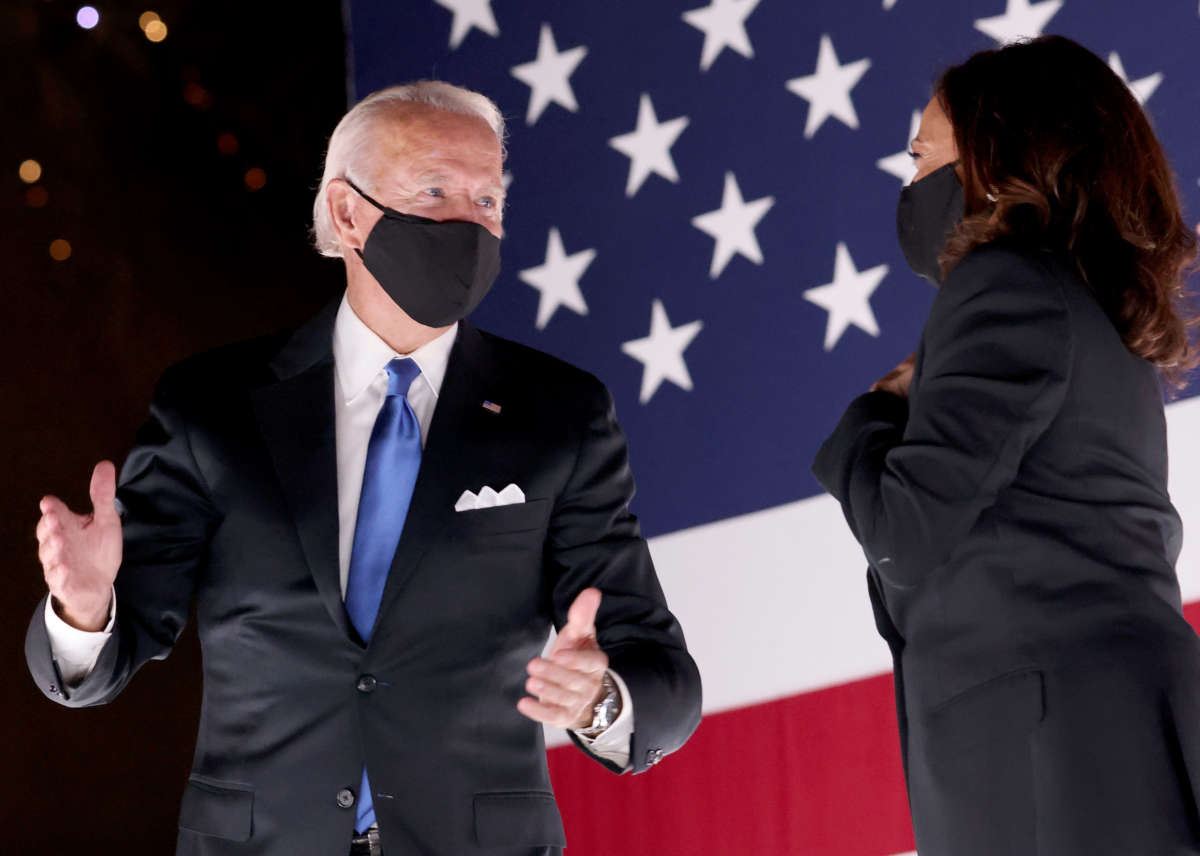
(1057, 154)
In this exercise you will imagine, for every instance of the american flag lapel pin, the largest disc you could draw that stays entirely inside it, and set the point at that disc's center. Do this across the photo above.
(492, 406)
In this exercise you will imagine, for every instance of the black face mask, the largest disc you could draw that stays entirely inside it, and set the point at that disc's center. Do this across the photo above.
(437, 272)
(929, 210)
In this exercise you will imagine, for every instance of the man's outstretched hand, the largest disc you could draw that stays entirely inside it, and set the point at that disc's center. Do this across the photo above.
(80, 553)
(567, 683)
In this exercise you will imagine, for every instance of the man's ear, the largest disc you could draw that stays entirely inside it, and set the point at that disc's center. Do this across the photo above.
(343, 213)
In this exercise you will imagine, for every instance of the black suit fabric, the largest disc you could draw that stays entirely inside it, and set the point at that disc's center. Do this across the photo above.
(230, 504)
(1021, 542)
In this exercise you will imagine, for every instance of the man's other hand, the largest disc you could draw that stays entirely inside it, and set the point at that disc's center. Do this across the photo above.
(566, 684)
(80, 553)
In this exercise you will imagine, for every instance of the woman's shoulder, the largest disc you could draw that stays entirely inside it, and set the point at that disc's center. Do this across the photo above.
(1006, 273)
(1006, 260)
(1001, 287)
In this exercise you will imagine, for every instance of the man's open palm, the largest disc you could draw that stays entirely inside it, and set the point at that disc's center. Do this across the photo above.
(567, 682)
(80, 553)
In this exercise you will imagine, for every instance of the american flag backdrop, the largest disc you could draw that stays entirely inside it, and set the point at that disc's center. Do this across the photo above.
(702, 212)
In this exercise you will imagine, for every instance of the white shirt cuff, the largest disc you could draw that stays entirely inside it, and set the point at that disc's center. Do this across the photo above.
(612, 744)
(75, 650)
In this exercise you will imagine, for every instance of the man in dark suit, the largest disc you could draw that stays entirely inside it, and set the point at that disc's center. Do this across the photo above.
(377, 519)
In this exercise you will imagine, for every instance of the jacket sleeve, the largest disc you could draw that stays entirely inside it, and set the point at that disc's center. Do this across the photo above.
(994, 370)
(167, 518)
(594, 540)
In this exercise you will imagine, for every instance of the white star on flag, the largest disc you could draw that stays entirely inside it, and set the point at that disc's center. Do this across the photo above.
(888, 4)
(1021, 19)
(506, 179)
(468, 14)
(661, 353)
(848, 298)
(558, 279)
(723, 23)
(548, 76)
(732, 226)
(828, 89)
(649, 146)
(902, 164)
(1143, 88)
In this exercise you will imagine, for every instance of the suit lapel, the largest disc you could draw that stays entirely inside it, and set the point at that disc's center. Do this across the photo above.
(296, 418)
(449, 458)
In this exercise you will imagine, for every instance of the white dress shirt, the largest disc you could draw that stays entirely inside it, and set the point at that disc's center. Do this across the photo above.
(360, 385)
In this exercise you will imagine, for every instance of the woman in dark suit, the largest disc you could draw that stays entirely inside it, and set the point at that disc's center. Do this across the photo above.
(1008, 483)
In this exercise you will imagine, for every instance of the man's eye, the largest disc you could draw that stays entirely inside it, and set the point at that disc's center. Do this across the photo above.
(487, 202)
(434, 191)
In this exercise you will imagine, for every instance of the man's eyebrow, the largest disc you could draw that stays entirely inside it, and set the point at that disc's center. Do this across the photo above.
(431, 177)
(427, 179)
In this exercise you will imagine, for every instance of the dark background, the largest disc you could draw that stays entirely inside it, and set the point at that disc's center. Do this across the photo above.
(171, 253)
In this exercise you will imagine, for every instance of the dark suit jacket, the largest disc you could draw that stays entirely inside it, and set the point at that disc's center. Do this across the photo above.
(1022, 545)
(230, 502)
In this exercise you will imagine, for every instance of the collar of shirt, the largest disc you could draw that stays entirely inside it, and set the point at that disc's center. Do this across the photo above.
(360, 355)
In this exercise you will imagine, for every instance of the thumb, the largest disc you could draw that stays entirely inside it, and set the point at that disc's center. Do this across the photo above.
(581, 617)
(103, 490)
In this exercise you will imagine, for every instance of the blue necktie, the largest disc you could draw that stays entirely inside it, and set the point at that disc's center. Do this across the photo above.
(393, 460)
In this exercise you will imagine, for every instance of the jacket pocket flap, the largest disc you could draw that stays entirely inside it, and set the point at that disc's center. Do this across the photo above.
(518, 819)
(221, 809)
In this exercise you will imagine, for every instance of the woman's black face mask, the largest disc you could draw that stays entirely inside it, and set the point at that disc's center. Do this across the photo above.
(929, 210)
(437, 272)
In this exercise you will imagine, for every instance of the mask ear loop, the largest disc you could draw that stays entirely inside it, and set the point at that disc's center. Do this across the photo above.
(360, 192)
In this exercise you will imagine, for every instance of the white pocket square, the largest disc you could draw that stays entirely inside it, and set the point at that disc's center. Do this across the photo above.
(488, 498)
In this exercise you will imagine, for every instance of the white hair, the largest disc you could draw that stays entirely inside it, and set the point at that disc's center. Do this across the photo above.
(350, 144)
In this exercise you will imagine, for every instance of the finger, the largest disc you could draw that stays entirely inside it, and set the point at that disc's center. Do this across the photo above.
(549, 714)
(581, 617)
(50, 552)
(47, 525)
(550, 693)
(54, 505)
(587, 661)
(103, 490)
(567, 678)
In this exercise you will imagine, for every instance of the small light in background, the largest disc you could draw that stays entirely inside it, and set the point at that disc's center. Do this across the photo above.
(156, 31)
(255, 178)
(60, 250)
(227, 144)
(30, 171)
(147, 18)
(87, 17)
(36, 197)
(197, 96)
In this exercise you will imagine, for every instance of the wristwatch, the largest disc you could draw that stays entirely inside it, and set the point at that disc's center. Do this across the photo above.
(606, 711)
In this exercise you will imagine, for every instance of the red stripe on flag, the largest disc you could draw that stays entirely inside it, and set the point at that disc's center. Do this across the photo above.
(816, 774)
(813, 774)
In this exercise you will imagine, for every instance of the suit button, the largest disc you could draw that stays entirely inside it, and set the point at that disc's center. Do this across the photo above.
(366, 684)
(345, 798)
(654, 756)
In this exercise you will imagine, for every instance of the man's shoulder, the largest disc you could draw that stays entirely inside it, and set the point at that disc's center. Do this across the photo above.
(552, 376)
(243, 364)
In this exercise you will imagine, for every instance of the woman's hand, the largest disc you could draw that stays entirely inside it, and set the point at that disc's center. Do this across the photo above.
(897, 380)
